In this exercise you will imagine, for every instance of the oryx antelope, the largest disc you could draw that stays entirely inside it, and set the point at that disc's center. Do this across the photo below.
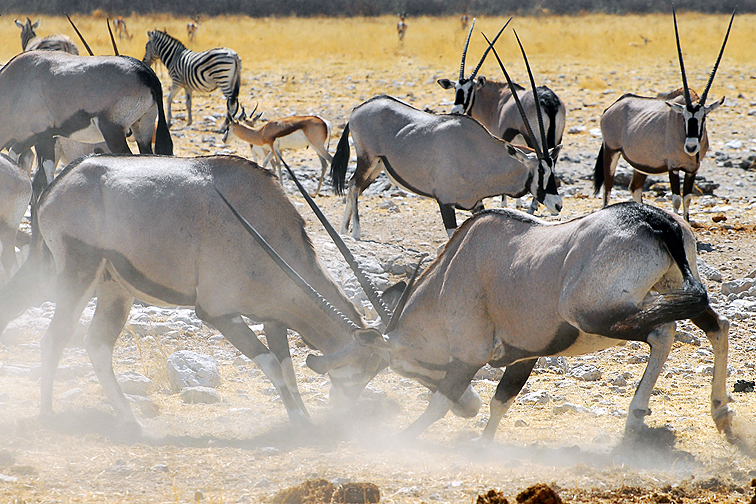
(30, 41)
(194, 254)
(87, 98)
(195, 71)
(626, 272)
(657, 135)
(295, 132)
(15, 194)
(491, 103)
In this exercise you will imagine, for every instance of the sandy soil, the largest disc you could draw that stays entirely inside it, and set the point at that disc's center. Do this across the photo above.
(244, 450)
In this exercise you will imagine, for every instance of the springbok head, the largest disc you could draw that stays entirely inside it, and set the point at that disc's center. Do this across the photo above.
(543, 186)
(464, 86)
(694, 115)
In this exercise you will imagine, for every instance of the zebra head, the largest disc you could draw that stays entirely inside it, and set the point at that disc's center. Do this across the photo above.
(694, 115)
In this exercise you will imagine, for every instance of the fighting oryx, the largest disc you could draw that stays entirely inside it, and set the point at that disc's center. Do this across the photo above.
(57, 42)
(626, 272)
(491, 103)
(15, 194)
(87, 98)
(180, 245)
(295, 132)
(657, 135)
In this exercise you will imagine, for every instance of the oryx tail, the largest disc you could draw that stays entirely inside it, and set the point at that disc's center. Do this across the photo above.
(598, 172)
(163, 142)
(340, 162)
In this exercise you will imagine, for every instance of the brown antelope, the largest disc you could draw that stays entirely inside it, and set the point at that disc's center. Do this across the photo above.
(624, 273)
(192, 27)
(657, 135)
(464, 19)
(401, 28)
(30, 41)
(295, 132)
(15, 194)
(194, 255)
(119, 25)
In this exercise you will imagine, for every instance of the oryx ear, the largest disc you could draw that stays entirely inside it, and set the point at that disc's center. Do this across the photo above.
(714, 106)
(555, 152)
(392, 294)
(371, 338)
(444, 83)
(677, 107)
(481, 81)
(522, 155)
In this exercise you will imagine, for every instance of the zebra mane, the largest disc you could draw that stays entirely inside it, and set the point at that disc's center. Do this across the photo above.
(164, 34)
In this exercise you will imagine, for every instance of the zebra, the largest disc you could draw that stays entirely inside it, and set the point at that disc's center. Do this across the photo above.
(195, 71)
(31, 42)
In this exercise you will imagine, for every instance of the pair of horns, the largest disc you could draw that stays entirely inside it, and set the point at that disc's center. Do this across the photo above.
(483, 58)
(81, 37)
(702, 100)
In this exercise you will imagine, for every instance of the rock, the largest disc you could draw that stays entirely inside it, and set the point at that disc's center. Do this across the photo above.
(708, 271)
(574, 130)
(737, 286)
(687, 338)
(191, 369)
(70, 394)
(558, 365)
(200, 395)
(134, 383)
(539, 397)
(585, 372)
(569, 408)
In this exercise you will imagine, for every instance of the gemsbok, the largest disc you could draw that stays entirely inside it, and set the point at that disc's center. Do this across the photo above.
(195, 71)
(657, 135)
(497, 295)
(193, 253)
(87, 98)
(295, 132)
(57, 42)
(15, 194)
(491, 103)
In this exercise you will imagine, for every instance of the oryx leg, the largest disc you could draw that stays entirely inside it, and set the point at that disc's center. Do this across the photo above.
(636, 186)
(449, 216)
(455, 383)
(514, 378)
(244, 339)
(188, 106)
(674, 187)
(143, 130)
(717, 329)
(365, 174)
(8, 255)
(115, 137)
(610, 160)
(113, 306)
(690, 179)
(45, 166)
(276, 335)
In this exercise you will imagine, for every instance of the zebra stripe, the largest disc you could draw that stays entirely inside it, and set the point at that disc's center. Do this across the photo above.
(30, 41)
(196, 71)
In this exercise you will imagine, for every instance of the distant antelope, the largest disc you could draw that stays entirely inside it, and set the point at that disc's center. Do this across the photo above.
(192, 27)
(295, 132)
(657, 135)
(401, 28)
(30, 41)
(192, 254)
(195, 71)
(15, 194)
(119, 25)
(491, 103)
(464, 20)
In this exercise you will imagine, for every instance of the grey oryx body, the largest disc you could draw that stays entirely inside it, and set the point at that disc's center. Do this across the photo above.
(196, 71)
(492, 104)
(451, 158)
(15, 194)
(30, 41)
(657, 135)
(194, 253)
(295, 132)
(87, 98)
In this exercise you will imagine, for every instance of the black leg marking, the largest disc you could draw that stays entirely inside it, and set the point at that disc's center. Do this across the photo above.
(458, 377)
(514, 378)
(448, 216)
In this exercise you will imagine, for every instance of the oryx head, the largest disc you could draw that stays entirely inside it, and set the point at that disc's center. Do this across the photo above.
(694, 115)
(543, 184)
(464, 87)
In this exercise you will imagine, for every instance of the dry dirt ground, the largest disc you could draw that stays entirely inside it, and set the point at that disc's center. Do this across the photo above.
(244, 450)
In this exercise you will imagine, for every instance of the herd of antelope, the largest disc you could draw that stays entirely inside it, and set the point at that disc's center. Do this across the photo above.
(506, 289)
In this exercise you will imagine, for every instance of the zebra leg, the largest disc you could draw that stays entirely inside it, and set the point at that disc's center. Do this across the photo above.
(188, 106)
(169, 102)
(636, 186)
(674, 186)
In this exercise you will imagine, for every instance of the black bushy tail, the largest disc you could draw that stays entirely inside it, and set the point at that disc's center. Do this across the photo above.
(598, 172)
(340, 162)
(163, 141)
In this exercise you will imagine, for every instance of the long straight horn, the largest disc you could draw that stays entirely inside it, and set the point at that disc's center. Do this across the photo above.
(539, 112)
(533, 138)
(464, 52)
(405, 295)
(112, 39)
(702, 101)
(80, 36)
(326, 306)
(362, 278)
(490, 44)
(686, 90)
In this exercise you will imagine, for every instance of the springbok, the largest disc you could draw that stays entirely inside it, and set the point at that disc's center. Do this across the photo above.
(121, 30)
(657, 135)
(192, 27)
(15, 194)
(491, 103)
(401, 28)
(30, 41)
(193, 255)
(295, 132)
(464, 19)
(624, 273)
(87, 98)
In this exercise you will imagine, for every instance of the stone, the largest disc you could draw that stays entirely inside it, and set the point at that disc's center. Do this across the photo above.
(191, 369)
(585, 372)
(134, 383)
(200, 395)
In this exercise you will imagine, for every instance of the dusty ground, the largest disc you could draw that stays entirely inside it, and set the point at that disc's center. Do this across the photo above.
(244, 450)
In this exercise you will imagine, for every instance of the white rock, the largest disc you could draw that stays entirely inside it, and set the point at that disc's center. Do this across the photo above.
(200, 395)
(539, 397)
(569, 408)
(134, 383)
(191, 369)
(585, 372)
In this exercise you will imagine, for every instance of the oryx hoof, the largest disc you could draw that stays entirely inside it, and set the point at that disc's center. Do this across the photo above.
(723, 419)
(129, 431)
(299, 419)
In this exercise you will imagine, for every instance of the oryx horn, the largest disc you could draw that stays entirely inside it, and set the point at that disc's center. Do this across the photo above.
(702, 101)
(81, 37)
(483, 58)
(539, 153)
(686, 91)
(362, 278)
(405, 295)
(112, 39)
(464, 52)
(544, 145)
(324, 304)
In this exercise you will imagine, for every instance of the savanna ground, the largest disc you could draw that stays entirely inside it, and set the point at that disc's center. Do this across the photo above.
(244, 450)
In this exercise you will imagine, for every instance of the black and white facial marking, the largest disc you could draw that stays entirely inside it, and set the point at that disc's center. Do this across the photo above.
(543, 186)
(694, 122)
